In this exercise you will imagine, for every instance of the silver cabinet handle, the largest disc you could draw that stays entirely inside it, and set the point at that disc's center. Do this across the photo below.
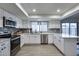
(3, 44)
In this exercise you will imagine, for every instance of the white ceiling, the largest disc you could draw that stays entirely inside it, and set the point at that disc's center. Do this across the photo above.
(43, 9)
(13, 9)
(47, 8)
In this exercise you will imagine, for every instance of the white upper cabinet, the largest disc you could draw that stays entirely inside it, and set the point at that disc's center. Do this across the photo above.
(54, 24)
(26, 24)
(1, 13)
(1, 22)
(1, 18)
(10, 17)
(19, 23)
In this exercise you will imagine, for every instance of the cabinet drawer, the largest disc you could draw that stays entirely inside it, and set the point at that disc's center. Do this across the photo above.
(5, 48)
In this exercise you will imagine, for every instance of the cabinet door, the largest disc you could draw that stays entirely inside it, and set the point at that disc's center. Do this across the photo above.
(27, 38)
(6, 48)
(0, 50)
(56, 41)
(31, 39)
(36, 39)
(0, 53)
(50, 39)
(23, 40)
(1, 22)
(62, 45)
(59, 42)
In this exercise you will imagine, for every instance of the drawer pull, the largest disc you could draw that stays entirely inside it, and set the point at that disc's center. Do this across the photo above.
(2, 44)
(4, 47)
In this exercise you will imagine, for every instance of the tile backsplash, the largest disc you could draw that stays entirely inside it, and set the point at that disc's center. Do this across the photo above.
(7, 30)
(54, 30)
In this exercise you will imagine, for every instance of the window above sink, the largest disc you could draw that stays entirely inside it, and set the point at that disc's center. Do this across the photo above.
(39, 26)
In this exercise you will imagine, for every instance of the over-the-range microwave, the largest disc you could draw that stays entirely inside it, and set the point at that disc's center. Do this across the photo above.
(8, 22)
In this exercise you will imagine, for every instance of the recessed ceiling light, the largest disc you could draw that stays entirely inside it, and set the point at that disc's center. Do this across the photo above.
(34, 10)
(58, 10)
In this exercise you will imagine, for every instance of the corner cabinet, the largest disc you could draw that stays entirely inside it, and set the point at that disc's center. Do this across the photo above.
(50, 39)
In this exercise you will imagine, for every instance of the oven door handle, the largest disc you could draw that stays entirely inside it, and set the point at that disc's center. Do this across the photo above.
(15, 38)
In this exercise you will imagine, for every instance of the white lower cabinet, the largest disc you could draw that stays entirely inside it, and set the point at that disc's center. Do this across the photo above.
(50, 39)
(30, 39)
(5, 48)
(22, 40)
(62, 45)
(34, 39)
(0, 50)
(26, 38)
(59, 42)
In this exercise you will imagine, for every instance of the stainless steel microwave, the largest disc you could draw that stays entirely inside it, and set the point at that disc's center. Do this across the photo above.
(8, 22)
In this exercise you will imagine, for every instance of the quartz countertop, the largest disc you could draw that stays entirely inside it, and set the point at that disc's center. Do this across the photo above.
(39, 33)
(70, 37)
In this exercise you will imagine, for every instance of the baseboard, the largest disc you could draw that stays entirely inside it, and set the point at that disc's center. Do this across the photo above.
(50, 43)
(59, 50)
(30, 44)
(38, 44)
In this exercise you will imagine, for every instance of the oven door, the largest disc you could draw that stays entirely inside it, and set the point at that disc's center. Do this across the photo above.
(15, 46)
(15, 43)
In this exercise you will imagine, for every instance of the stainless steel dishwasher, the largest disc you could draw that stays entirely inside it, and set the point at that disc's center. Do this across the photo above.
(44, 38)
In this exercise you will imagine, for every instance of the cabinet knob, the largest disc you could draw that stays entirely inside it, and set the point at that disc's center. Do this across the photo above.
(2, 49)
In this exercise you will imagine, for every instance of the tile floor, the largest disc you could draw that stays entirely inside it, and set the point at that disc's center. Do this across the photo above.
(38, 50)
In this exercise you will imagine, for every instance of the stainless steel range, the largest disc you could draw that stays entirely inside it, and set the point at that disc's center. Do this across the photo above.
(15, 44)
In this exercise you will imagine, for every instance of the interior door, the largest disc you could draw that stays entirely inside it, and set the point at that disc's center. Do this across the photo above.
(44, 39)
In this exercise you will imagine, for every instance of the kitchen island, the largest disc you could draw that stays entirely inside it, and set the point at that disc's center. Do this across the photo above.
(67, 45)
